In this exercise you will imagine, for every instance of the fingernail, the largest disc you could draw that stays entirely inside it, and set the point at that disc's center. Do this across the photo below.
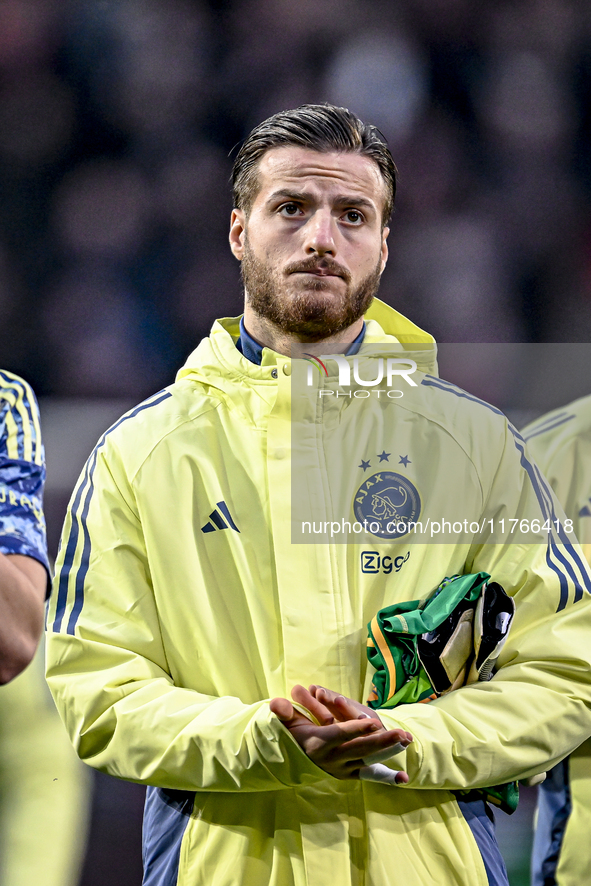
(363, 716)
(340, 697)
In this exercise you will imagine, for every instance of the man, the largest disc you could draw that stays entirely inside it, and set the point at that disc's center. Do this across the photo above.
(23, 554)
(185, 626)
(43, 792)
(561, 445)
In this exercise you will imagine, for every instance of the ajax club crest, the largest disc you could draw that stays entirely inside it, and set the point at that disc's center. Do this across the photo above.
(387, 503)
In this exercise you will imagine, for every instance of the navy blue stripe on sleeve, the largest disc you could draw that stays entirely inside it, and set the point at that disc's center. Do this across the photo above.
(430, 381)
(575, 565)
(561, 555)
(79, 513)
(548, 427)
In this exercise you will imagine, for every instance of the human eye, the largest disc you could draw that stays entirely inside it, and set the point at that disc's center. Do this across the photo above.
(289, 209)
(353, 217)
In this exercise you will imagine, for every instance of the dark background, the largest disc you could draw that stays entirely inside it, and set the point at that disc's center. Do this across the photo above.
(118, 119)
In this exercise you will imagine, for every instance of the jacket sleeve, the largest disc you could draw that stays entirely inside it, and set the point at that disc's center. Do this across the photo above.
(537, 707)
(22, 472)
(107, 669)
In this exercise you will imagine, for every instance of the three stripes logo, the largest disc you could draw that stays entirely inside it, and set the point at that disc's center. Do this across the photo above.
(220, 518)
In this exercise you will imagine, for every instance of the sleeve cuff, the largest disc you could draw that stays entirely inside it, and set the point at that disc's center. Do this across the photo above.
(284, 758)
(408, 760)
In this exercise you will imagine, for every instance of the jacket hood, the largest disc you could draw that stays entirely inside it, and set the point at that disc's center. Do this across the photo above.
(216, 361)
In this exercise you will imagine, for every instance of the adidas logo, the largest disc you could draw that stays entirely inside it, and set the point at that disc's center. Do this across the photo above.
(585, 511)
(217, 520)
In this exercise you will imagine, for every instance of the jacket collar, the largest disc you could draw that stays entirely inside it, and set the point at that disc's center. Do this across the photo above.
(217, 355)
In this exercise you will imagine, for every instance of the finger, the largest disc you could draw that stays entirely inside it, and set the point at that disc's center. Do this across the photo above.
(367, 747)
(382, 774)
(327, 694)
(389, 738)
(386, 753)
(341, 732)
(361, 755)
(344, 708)
(403, 736)
(339, 703)
(316, 708)
(282, 708)
(340, 707)
(324, 741)
(349, 709)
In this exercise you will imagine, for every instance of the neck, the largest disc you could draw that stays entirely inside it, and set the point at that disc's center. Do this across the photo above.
(291, 345)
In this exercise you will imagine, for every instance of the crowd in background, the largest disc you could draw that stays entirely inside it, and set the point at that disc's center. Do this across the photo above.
(118, 123)
(119, 120)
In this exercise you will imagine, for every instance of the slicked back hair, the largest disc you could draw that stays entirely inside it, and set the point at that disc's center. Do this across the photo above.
(323, 128)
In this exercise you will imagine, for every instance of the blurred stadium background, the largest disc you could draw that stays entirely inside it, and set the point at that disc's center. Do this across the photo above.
(118, 119)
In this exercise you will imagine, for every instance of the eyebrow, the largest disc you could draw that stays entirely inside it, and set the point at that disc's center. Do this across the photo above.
(288, 194)
(340, 200)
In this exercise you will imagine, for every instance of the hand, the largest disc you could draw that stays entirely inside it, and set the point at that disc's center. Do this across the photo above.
(343, 708)
(338, 745)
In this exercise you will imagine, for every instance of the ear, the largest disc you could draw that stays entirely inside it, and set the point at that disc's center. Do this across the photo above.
(237, 233)
(384, 250)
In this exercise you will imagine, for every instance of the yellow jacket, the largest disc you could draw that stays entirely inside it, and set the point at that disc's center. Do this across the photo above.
(181, 606)
(560, 442)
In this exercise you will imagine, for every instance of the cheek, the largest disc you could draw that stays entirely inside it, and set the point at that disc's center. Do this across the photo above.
(267, 245)
(276, 253)
(367, 258)
(273, 258)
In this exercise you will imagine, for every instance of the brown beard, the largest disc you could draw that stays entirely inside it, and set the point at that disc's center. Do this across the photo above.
(308, 314)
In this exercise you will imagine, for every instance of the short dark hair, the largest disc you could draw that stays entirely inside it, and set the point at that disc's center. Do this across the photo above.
(317, 127)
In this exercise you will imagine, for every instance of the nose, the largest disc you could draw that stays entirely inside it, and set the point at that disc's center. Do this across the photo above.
(319, 234)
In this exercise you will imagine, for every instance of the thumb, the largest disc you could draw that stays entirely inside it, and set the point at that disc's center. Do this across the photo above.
(282, 708)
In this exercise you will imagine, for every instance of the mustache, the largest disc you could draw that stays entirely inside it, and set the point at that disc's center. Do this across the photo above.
(313, 264)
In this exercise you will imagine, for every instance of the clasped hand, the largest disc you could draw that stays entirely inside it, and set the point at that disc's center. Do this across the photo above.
(347, 735)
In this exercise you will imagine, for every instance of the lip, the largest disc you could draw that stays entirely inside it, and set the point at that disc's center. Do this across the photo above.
(319, 273)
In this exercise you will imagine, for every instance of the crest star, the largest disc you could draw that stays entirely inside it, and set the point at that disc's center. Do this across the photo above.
(385, 456)
(404, 460)
(364, 465)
